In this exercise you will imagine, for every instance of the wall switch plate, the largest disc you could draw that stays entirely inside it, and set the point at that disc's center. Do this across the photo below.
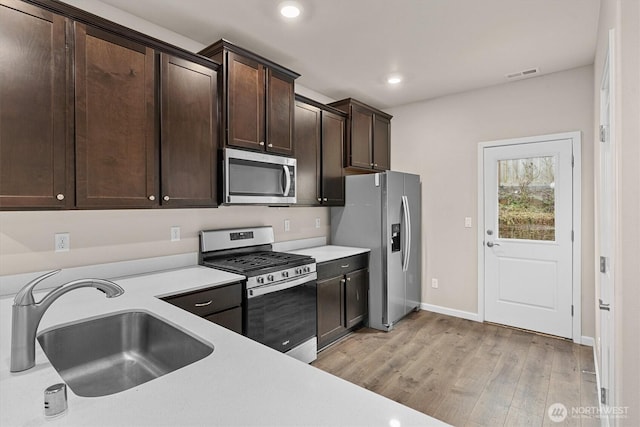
(61, 242)
(434, 283)
(467, 222)
(317, 222)
(287, 225)
(175, 234)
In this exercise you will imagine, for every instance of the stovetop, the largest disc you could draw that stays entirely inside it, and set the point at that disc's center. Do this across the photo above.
(258, 261)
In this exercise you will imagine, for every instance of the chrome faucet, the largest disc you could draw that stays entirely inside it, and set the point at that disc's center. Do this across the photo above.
(26, 315)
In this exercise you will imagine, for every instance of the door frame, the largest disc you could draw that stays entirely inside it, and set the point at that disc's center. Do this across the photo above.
(576, 143)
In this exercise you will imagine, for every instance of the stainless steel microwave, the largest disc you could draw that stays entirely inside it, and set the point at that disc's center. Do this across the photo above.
(258, 178)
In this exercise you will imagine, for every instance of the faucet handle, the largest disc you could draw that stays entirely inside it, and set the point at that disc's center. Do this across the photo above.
(25, 295)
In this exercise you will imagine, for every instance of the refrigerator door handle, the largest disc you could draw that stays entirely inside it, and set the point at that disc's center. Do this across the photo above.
(407, 240)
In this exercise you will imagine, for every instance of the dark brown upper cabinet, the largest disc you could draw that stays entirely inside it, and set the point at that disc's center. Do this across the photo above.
(257, 99)
(116, 143)
(189, 137)
(319, 140)
(368, 136)
(36, 111)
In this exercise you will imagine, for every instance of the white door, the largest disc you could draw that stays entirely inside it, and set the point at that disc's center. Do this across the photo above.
(528, 236)
(606, 232)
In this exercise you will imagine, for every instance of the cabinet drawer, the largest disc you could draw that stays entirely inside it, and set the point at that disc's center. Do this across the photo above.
(230, 319)
(342, 266)
(209, 301)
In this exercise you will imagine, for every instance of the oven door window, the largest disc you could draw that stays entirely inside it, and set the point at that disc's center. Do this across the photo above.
(283, 319)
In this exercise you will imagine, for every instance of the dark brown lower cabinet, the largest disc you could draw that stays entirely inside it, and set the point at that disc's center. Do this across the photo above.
(356, 291)
(342, 297)
(221, 305)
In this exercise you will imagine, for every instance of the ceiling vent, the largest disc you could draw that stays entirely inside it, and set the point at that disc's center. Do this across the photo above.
(523, 74)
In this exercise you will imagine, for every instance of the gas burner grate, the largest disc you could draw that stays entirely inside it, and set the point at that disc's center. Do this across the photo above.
(254, 261)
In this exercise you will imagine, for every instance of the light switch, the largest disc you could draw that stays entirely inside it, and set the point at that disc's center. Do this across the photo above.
(467, 222)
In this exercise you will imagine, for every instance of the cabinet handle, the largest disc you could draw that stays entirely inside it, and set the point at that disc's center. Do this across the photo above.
(319, 199)
(325, 199)
(60, 196)
(342, 281)
(203, 304)
(357, 295)
(152, 197)
(269, 145)
(345, 266)
(376, 165)
(166, 198)
(261, 143)
(348, 279)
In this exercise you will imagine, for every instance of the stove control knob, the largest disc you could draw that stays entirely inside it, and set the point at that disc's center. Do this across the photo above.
(298, 270)
(307, 269)
(260, 280)
(285, 274)
(270, 277)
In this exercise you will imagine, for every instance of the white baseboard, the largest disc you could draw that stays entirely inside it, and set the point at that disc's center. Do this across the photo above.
(450, 312)
(587, 341)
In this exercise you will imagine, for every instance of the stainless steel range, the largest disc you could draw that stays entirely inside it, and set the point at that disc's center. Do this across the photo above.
(280, 290)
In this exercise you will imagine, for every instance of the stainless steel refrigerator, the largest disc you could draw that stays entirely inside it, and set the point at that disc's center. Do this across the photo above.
(382, 212)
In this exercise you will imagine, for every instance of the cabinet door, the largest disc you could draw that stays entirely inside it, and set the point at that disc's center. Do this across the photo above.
(36, 145)
(280, 110)
(307, 141)
(245, 118)
(361, 138)
(330, 300)
(189, 123)
(381, 139)
(356, 291)
(116, 143)
(333, 129)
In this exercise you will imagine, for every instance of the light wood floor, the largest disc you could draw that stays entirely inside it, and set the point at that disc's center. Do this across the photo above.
(468, 373)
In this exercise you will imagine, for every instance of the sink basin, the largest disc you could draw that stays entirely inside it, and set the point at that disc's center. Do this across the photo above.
(110, 354)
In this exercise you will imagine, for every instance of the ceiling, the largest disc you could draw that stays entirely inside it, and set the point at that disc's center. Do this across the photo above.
(347, 48)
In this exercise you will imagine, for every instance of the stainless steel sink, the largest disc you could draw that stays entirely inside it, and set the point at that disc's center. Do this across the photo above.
(110, 354)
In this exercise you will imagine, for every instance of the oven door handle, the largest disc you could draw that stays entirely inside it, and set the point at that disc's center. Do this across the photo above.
(267, 289)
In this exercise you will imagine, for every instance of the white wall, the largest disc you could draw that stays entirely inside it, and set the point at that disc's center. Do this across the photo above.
(623, 16)
(438, 139)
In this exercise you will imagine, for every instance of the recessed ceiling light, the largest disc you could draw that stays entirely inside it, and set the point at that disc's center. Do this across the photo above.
(394, 80)
(290, 9)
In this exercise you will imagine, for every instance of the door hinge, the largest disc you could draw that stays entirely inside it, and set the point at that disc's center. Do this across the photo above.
(603, 133)
(603, 395)
(571, 310)
(603, 264)
(573, 162)
(572, 235)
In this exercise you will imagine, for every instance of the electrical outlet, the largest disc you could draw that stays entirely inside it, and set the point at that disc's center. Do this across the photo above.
(287, 225)
(467, 222)
(175, 234)
(434, 283)
(61, 242)
(317, 222)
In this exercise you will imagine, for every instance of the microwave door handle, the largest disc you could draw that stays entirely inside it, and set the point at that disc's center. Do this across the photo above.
(287, 178)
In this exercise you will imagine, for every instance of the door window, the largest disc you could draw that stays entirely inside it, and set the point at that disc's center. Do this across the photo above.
(526, 198)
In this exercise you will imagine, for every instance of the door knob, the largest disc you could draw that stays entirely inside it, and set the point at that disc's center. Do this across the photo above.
(491, 244)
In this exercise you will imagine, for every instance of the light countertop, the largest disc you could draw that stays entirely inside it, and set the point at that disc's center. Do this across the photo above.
(240, 383)
(330, 252)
